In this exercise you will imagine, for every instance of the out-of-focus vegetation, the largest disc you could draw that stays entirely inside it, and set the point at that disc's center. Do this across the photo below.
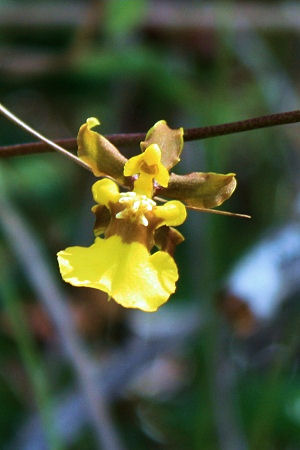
(216, 367)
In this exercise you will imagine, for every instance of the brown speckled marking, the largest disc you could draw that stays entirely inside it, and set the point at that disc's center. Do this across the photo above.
(130, 230)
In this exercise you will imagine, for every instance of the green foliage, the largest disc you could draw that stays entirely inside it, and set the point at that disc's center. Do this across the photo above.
(122, 17)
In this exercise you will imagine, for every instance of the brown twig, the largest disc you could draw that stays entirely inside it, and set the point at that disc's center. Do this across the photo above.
(243, 125)
(190, 134)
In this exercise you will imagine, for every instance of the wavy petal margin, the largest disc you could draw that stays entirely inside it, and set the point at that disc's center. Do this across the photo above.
(100, 154)
(201, 189)
(169, 141)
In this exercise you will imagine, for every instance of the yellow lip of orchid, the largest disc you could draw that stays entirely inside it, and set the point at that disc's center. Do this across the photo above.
(127, 272)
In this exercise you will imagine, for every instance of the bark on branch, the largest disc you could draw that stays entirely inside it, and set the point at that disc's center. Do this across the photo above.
(190, 134)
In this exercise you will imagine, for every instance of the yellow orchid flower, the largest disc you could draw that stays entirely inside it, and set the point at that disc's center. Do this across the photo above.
(120, 263)
(129, 225)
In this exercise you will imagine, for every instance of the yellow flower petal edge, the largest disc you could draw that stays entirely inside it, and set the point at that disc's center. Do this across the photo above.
(105, 191)
(173, 213)
(126, 272)
(100, 154)
(170, 142)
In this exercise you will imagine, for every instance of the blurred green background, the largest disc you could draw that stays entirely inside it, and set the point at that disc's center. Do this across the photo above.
(218, 366)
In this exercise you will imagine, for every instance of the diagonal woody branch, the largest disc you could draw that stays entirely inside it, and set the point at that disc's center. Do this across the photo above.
(190, 134)
(243, 125)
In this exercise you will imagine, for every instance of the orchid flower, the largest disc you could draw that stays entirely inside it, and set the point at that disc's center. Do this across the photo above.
(132, 256)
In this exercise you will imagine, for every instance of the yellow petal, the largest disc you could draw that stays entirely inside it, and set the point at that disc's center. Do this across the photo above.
(127, 272)
(152, 155)
(105, 191)
(92, 122)
(169, 141)
(149, 167)
(162, 176)
(132, 166)
(100, 154)
(173, 213)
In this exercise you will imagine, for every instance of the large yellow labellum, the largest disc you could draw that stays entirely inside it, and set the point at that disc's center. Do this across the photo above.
(126, 272)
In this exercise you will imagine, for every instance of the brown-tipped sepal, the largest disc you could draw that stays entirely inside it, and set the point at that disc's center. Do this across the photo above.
(100, 154)
(169, 141)
(201, 189)
(102, 216)
(167, 238)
